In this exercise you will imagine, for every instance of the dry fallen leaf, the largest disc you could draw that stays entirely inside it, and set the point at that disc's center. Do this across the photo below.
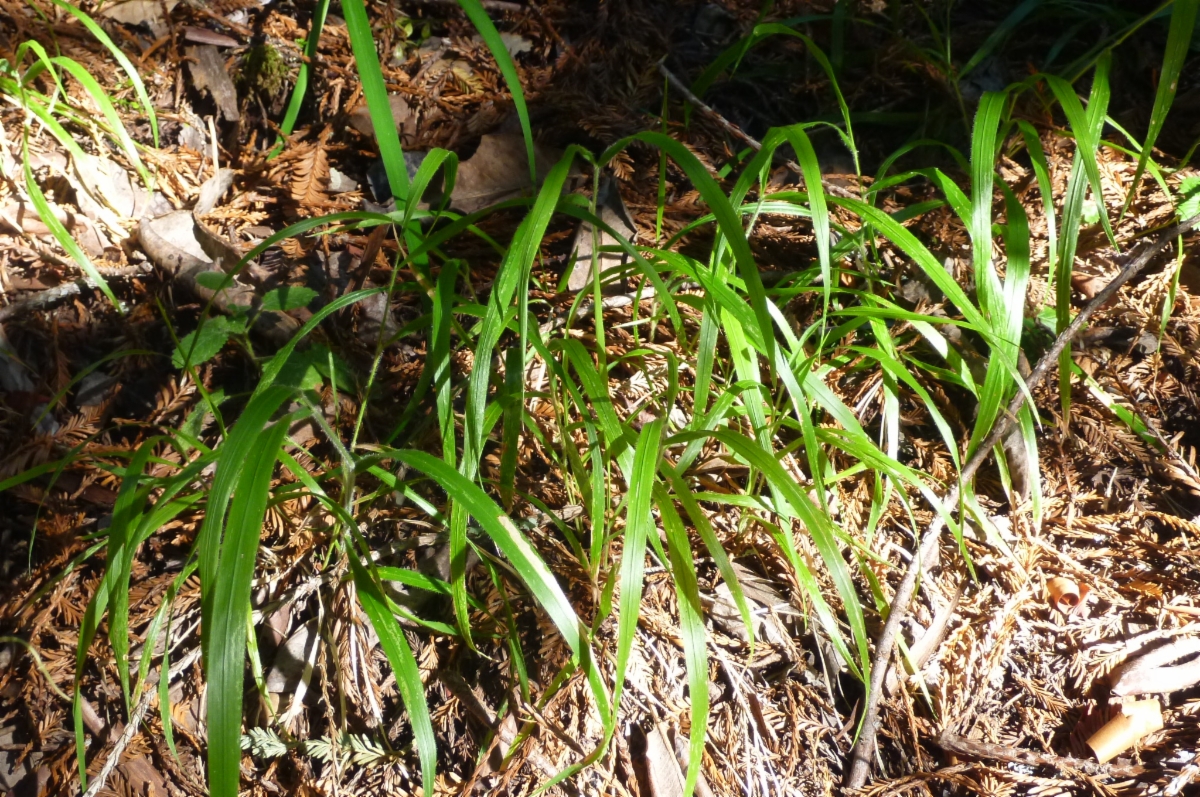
(140, 12)
(498, 170)
(1135, 721)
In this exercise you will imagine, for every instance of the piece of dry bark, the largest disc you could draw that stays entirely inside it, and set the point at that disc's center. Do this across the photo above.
(208, 73)
(610, 207)
(1153, 673)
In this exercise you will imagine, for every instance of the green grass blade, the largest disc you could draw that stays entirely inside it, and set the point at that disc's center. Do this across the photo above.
(302, 76)
(1041, 170)
(366, 59)
(225, 626)
(729, 225)
(109, 111)
(639, 524)
(121, 58)
(704, 528)
(811, 169)
(824, 536)
(404, 666)
(525, 560)
(1179, 38)
(491, 37)
(242, 441)
(1085, 171)
(60, 232)
(1087, 127)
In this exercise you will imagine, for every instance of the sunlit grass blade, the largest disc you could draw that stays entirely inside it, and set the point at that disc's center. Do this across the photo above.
(1084, 172)
(119, 55)
(229, 609)
(491, 37)
(639, 525)
(366, 59)
(1179, 37)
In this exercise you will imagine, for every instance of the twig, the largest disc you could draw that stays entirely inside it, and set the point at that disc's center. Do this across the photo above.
(960, 745)
(734, 130)
(493, 5)
(114, 758)
(860, 756)
(52, 296)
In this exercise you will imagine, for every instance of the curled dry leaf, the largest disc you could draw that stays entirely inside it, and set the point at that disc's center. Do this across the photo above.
(1136, 721)
(1065, 595)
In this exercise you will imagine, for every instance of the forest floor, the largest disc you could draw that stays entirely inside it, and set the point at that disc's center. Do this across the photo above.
(1003, 659)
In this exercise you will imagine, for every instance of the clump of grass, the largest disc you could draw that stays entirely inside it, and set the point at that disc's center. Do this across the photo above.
(769, 404)
(19, 85)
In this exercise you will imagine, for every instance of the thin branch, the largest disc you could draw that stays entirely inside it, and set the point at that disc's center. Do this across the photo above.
(864, 748)
(114, 758)
(52, 296)
(960, 745)
(736, 131)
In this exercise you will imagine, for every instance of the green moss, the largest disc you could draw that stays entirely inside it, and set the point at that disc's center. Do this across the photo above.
(265, 71)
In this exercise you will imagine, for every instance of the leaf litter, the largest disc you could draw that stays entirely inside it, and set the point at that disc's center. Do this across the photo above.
(989, 659)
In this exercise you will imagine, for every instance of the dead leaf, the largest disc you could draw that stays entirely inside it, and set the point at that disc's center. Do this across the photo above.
(360, 117)
(140, 12)
(498, 170)
(110, 184)
(662, 769)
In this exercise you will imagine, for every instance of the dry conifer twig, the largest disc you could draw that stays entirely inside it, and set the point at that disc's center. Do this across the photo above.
(972, 748)
(860, 757)
(123, 741)
(733, 129)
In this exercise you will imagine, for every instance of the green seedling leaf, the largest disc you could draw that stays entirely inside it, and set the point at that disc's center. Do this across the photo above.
(206, 342)
(214, 280)
(289, 297)
(1189, 197)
